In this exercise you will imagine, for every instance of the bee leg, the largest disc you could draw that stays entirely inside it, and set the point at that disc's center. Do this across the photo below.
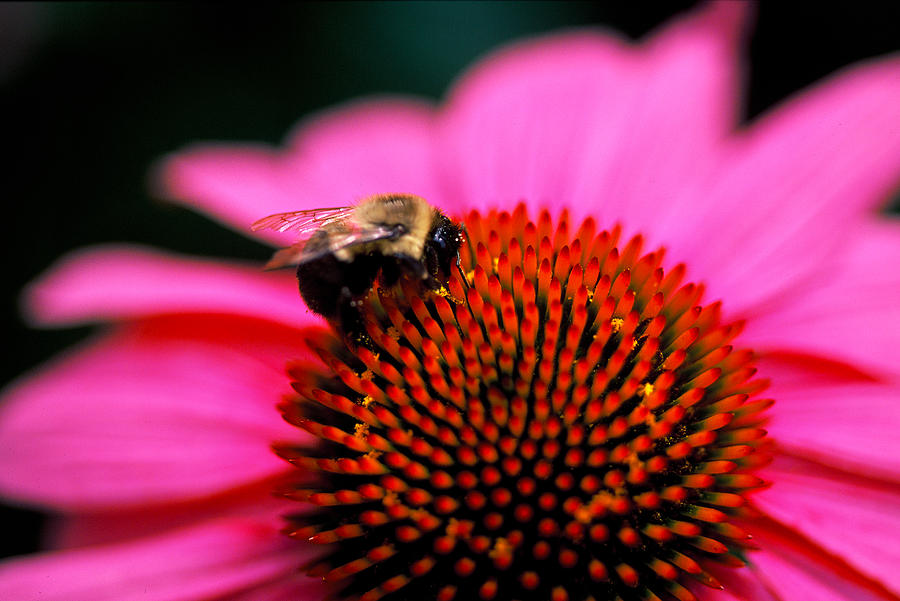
(462, 275)
(433, 266)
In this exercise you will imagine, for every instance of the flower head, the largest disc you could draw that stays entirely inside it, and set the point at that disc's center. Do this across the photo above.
(570, 424)
(578, 416)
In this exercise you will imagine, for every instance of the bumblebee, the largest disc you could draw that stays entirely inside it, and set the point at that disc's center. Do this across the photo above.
(342, 251)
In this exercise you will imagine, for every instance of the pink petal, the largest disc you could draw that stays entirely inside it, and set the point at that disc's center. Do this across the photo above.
(235, 184)
(739, 584)
(203, 562)
(687, 97)
(852, 313)
(517, 126)
(799, 371)
(781, 207)
(792, 569)
(168, 410)
(851, 425)
(118, 524)
(298, 587)
(585, 120)
(122, 282)
(854, 518)
(333, 159)
(364, 148)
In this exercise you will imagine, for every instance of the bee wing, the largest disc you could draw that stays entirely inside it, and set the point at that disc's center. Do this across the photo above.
(284, 257)
(296, 253)
(305, 221)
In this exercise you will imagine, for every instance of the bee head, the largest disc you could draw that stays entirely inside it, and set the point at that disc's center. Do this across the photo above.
(442, 245)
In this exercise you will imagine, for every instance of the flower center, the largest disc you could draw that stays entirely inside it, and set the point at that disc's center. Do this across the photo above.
(568, 424)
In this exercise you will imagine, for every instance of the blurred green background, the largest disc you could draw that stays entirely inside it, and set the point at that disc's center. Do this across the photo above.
(93, 93)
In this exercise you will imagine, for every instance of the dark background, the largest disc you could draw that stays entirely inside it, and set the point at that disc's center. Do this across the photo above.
(93, 93)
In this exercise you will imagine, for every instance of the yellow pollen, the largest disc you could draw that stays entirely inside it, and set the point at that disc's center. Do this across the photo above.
(583, 514)
(452, 528)
(460, 528)
(367, 400)
(645, 390)
(470, 276)
(361, 430)
(495, 262)
(501, 548)
(444, 292)
(616, 323)
(602, 498)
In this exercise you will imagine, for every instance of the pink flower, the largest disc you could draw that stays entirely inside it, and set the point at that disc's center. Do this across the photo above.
(151, 442)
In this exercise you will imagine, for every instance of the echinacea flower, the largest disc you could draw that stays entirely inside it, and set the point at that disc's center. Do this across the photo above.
(581, 417)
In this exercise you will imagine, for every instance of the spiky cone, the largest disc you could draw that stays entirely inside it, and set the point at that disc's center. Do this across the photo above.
(567, 424)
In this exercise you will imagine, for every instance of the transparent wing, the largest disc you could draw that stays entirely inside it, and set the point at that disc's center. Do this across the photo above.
(298, 253)
(304, 222)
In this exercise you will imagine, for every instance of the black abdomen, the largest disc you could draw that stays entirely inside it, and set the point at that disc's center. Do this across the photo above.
(327, 283)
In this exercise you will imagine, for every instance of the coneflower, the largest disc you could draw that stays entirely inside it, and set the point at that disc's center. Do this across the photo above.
(569, 424)
(576, 417)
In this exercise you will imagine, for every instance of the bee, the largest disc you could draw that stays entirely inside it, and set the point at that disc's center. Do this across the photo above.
(342, 251)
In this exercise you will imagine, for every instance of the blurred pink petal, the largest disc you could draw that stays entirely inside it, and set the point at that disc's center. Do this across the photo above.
(796, 187)
(203, 562)
(295, 587)
(743, 585)
(586, 121)
(688, 98)
(183, 417)
(861, 420)
(388, 144)
(385, 144)
(590, 122)
(789, 569)
(851, 311)
(123, 282)
(234, 185)
(118, 524)
(845, 514)
(518, 125)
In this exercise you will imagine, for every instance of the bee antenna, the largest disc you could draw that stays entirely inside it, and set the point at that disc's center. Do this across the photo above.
(459, 269)
(465, 234)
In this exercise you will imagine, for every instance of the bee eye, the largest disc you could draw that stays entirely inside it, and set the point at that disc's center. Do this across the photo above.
(446, 237)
